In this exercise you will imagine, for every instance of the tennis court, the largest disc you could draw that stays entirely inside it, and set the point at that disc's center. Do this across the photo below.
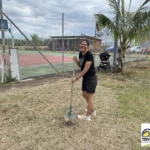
(33, 64)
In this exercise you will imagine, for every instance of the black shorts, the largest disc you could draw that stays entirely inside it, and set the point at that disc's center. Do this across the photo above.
(89, 84)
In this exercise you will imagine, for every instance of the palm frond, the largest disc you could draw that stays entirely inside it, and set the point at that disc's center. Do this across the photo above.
(142, 27)
(130, 4)
(114, 5)
(103, 21)
(142, 7)
(139, 26)
(146, 2)
(135, 15)
(123, 8)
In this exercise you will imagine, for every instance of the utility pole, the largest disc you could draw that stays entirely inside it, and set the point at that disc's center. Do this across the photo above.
(12, 41)
(95, 42)
(62, 42)
(3, 39)
(116, 39)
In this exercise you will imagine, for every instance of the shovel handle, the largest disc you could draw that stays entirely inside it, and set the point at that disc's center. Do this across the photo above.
(72, 87)
(73, 68)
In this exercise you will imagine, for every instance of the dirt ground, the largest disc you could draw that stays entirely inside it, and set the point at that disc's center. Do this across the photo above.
(31, 118)
(35, 81)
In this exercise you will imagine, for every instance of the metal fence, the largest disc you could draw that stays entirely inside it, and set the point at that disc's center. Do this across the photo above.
(45, 57)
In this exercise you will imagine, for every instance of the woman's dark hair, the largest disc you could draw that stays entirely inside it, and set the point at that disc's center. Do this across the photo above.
(87, 41)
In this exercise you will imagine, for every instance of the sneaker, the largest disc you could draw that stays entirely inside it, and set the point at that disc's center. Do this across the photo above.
(84, 117)
(93, 113)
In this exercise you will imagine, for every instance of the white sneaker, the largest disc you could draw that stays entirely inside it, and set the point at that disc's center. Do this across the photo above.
(93, 113)
(84, 117)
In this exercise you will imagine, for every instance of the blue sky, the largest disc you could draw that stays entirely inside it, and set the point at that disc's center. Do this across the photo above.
(44, 17)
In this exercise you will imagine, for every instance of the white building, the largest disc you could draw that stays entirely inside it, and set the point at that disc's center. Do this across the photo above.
(107, 37)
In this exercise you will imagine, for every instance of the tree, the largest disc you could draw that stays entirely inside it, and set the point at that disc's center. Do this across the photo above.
(35, 39)
(131, 25)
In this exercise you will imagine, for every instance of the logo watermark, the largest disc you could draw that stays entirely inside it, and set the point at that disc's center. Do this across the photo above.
(145, 134)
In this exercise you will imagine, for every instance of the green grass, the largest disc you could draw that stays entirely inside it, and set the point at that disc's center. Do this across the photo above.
(132, 88)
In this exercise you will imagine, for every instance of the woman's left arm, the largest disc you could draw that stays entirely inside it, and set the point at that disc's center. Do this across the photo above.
(84, 71)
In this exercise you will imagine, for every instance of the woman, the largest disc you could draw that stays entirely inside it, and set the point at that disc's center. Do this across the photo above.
(89, 82)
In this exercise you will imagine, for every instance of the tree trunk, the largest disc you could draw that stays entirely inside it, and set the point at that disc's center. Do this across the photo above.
(119, 61)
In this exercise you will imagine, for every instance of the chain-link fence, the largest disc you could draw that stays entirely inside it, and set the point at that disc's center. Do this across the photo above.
(42, 56)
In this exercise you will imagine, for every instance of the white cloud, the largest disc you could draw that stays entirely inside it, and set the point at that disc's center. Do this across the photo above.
(43, 17)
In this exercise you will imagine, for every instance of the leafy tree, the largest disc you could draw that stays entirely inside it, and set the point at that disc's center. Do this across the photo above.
(35, 39)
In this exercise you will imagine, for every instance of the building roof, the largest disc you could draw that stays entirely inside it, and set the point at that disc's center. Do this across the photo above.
(75, 37)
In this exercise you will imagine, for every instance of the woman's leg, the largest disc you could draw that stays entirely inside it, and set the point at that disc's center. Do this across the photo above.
(88, 90)
(89, 87)
(90, 108)
(84, 94)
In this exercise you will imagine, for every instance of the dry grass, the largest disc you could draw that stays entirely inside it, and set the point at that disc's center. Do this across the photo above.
(32, 118)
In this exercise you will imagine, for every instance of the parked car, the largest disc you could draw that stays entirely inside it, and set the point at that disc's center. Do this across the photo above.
(136, 49)
(110, 49)
(146, 50)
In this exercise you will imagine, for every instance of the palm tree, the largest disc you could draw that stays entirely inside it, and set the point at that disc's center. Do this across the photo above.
(131, 25)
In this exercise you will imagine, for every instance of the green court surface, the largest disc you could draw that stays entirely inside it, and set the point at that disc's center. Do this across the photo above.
(55, 53)
(45, 69)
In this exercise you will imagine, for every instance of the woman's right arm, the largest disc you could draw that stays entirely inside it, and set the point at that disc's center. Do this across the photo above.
(77, 61)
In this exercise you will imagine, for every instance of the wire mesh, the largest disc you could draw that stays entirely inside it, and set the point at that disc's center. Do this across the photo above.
(46, 57)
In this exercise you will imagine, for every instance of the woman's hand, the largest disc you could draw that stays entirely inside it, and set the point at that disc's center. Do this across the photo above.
(75, 58)
(73, 80)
